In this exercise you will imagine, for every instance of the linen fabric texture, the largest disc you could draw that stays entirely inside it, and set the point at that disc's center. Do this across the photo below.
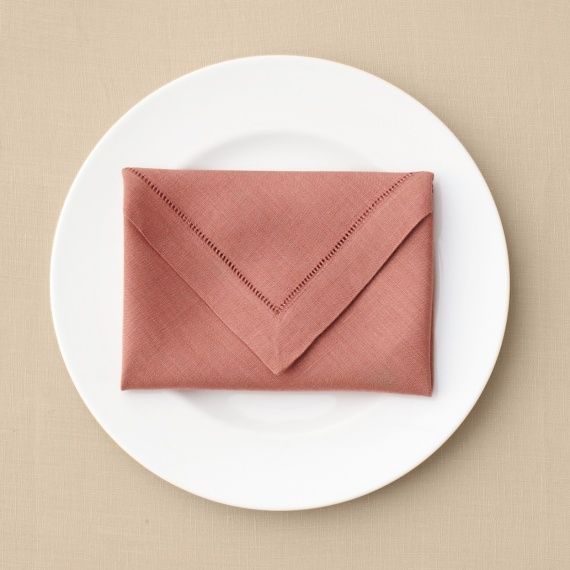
(278, 280)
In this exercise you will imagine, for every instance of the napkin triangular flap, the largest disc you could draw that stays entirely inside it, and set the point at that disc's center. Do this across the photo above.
(277, 256)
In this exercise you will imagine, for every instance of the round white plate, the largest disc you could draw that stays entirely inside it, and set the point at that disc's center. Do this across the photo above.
(280, 451)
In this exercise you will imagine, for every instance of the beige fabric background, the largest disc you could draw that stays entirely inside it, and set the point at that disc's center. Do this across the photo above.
(496, 495)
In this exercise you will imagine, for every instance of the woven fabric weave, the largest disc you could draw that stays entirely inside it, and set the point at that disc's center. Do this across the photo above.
(278, 280)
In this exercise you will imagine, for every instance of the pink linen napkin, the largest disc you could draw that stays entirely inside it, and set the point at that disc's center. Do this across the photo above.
(278, 280)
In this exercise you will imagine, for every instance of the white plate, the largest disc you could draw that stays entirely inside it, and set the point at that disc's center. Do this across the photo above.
(280, 451)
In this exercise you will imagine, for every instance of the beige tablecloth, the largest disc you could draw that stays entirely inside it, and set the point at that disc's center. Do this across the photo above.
(496, 495)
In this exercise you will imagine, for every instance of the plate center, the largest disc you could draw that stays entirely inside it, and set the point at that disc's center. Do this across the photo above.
(294, 411)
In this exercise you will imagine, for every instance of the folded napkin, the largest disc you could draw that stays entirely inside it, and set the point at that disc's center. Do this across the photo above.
(278, 280)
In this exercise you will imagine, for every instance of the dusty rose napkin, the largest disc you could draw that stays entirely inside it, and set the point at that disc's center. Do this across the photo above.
(278, 280)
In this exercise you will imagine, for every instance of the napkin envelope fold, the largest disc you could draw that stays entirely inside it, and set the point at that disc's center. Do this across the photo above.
(278, 280)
